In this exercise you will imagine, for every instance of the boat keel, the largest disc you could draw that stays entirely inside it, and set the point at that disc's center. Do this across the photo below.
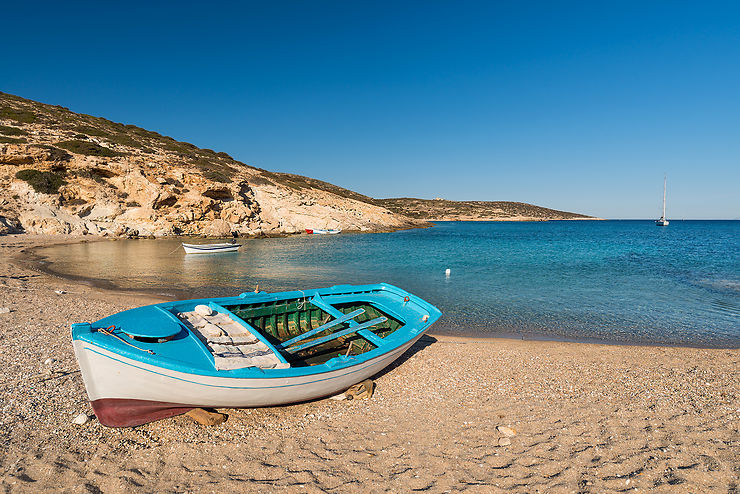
(124, 412)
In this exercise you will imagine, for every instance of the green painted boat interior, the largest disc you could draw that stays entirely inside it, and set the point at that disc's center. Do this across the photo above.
(281, 321)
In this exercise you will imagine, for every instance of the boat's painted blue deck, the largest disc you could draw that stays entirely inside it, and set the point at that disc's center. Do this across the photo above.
(184, 352)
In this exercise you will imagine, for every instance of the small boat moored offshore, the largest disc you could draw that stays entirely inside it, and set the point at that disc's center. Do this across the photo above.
(252, 350)
(662, 221)
(322, 232)
(210, 248)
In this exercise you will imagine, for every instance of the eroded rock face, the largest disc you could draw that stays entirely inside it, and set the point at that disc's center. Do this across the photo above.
(9, 225)
(158, 195)
(18, 155)
(218, 228)
(65, 172)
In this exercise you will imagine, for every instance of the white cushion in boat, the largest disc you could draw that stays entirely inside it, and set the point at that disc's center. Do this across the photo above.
(232, 345)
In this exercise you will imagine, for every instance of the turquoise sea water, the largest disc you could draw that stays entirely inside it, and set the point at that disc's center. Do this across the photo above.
(609, 281)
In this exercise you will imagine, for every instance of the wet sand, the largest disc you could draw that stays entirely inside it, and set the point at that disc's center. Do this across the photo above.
(588, 418)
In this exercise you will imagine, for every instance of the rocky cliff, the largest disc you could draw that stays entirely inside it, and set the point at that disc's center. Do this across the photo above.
(64, 172)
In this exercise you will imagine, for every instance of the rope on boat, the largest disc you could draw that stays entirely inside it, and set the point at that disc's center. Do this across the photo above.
(303, 302)
(110, 333)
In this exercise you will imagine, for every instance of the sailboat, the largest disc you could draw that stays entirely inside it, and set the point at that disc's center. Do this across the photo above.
(662, 221)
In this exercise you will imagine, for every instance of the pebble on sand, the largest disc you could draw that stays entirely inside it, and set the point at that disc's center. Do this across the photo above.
(504, 441)
(4, 310)
(506, 431)
(207, 417)
(360, 391)
(81, 419)
(49, 361)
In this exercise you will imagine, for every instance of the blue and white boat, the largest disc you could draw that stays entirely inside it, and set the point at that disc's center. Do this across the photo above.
(252, 350)
(210, 248)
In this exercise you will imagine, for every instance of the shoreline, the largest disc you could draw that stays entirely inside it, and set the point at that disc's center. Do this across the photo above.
(517, 219)
(36, 263)
(587, 417)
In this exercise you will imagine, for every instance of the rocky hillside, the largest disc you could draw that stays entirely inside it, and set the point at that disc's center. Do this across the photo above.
(69, 173)
(65, 172)
(442, 209)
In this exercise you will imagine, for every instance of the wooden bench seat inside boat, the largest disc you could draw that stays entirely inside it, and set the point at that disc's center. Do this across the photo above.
(232, 345)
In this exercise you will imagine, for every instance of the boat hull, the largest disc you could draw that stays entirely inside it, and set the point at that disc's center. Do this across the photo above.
(209, 249)
(126, 392)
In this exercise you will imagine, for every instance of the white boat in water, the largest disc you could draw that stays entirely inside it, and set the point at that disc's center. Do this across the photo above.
(662, 221)
(209, 248)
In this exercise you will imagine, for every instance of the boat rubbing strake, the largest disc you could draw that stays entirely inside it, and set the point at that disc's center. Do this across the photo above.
(256, 349)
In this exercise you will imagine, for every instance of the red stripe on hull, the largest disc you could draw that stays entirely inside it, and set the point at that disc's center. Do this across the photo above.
(123, 412)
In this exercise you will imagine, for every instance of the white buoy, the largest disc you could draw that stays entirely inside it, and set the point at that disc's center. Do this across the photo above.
(447, 272)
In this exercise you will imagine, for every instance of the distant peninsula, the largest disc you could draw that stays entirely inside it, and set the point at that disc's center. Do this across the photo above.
(63, 172)
(445, 210)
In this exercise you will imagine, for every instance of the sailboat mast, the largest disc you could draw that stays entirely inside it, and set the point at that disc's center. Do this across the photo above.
(664, 180)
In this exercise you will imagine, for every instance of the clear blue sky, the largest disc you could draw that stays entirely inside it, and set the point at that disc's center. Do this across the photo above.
(581, 106)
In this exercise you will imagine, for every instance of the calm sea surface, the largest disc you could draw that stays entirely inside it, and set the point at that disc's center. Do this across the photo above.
(609, 281)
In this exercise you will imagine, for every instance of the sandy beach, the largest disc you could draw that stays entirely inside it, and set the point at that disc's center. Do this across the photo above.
(586, 418)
